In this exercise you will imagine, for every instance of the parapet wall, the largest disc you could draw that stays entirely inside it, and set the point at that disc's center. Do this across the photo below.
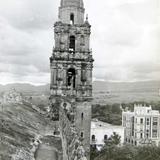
(71, 141)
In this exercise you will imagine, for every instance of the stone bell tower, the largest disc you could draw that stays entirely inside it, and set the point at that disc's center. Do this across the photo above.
(71, 75)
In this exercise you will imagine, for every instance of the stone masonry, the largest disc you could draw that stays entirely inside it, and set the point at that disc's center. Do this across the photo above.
(71, 80)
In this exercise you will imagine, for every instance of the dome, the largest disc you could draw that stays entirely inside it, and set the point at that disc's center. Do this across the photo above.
(76, 3)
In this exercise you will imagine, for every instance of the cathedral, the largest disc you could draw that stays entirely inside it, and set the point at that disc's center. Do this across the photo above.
(71, 67)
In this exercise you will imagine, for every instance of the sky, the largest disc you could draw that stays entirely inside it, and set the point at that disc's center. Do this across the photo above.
(125, 39)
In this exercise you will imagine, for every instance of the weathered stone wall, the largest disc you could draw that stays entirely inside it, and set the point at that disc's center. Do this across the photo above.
(64, 31)
(71, 79)
(69, 7)
(83, 124)
(64, 14)
(73, 145)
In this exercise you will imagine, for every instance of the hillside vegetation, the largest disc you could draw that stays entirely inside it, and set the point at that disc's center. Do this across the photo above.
(103, 92)
(112, 113)
(24, 127)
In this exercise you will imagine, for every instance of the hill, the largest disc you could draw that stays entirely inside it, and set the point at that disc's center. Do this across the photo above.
(103, 92)
(106, 92)
(26, 89)
(25, 131)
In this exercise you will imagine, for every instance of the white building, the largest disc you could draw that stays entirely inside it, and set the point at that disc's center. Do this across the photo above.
(141, 127)
(100, 131)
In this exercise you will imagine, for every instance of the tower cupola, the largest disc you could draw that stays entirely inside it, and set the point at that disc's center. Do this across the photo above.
(71, 12)
(76, 3)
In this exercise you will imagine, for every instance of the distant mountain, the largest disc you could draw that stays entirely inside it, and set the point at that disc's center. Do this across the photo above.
(26, 89)
(103, 92)
(146, 86)
(125, 92)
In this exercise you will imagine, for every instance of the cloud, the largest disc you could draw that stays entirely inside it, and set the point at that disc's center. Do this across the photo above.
(125, 39)
(126, 34)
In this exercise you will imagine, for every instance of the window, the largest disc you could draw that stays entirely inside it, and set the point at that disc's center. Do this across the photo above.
(154, 133)
(64, 105)
(147, 121)
(141, 121)
(82, 40)
(93, 137)
(71, 18)
(155, 123)
(72, 43)
(147, 134)
(82, 135)
(141, 135)
(71, 77)
(105, 137)
(132, 142)
(83, 72)
(155, 119)
(82, 116)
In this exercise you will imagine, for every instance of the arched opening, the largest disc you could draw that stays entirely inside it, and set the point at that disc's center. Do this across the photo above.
(71, 18)
(93, 137)
(82, 116)
(141, 135)
(82, 40)
(83, 73)
(82, 135)
(72, 43)
(105, 137)
(71, 77)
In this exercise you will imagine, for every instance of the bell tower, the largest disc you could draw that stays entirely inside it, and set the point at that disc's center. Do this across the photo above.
(71, 67)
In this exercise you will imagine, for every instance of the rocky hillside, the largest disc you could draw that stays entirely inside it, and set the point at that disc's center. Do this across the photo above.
(26, 89)
(25, 131)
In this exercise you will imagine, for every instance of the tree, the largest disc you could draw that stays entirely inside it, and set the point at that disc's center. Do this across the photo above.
(115, 139)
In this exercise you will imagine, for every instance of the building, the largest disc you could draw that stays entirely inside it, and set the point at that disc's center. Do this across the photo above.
(12, 96)
(71, 67)
(142, 126)
(101, 131)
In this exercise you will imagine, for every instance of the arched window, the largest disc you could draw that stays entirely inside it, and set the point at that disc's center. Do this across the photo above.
(93, 137)
(141, 135)
(82, 116)
(82, 40)
(105, 137)
(71, 77)
(82, 135)
(71, 18)
(72, 43)
(83, 72)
